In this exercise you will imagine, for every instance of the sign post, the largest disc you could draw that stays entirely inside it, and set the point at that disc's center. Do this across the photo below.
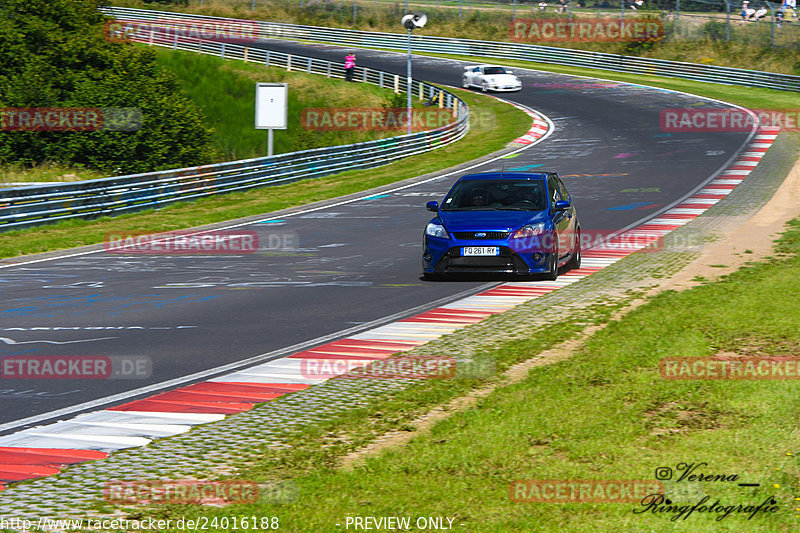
(272, 101)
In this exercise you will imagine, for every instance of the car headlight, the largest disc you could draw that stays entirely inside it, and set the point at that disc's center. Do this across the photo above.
(436, 230)
(529, 230)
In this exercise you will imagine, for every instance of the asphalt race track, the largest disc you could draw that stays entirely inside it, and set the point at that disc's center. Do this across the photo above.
(335, 268)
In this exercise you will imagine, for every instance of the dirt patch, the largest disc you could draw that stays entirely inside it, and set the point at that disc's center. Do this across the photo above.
(423, 424)
(737, 247)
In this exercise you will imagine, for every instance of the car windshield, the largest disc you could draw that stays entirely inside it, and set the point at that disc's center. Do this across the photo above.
(496, 195)
(494, 70)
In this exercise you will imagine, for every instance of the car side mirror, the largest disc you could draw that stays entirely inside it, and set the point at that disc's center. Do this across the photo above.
(561, 205)
(432, 206)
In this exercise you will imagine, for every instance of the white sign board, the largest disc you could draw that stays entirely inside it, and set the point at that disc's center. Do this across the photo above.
(272, 101)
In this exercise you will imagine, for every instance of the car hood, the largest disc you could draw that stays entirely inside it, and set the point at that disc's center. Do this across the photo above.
(501, 78)
(490, 220)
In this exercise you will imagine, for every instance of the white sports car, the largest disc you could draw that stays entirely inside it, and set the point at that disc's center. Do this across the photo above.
(490, 78)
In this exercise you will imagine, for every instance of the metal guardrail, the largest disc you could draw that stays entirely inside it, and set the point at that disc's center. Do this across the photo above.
(28, 206)
(498, 49)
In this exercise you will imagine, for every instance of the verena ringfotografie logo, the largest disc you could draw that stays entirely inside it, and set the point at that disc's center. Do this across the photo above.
(728, 120)
(397, 367)
(70, 119)
(181, 492)
(585, 30)
(76, 367)
(584, 490)
(373, 119)
(187, 242)
(183, 29)
(730, 368)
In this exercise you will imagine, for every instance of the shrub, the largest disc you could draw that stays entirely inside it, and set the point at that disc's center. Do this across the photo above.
(53, 53)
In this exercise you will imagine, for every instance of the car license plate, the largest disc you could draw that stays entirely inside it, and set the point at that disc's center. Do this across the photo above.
(480, 250)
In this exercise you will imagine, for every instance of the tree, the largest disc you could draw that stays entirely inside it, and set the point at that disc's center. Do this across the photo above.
(55, 54)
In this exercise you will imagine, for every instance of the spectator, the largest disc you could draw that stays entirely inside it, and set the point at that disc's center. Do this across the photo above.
(747, 12)
(790, 4)
(479, 197)
(349, 66)
(542, 5)
(562, 6)
(761, 13)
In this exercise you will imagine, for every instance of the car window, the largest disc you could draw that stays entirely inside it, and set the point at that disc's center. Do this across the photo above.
(555, 194)
(563, 189)
(494, 70)
(496, 195)
(476, 69)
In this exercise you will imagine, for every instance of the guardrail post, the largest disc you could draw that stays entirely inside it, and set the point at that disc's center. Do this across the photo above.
(222, 51)
(245, 54)
(175, 42)
(397, 84)
(727, 20)
(328, 70)
(365, 74)
(380, 79)
(151, 37)
(199, 46)
(441, 99)
(308, 68)
(266, 59)
(288, 62)
(421, 92)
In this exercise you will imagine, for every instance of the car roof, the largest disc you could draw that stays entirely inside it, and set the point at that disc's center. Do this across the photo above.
(507, 175)
(485, 65)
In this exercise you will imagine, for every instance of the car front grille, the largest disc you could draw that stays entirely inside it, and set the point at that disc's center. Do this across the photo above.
(470, 235)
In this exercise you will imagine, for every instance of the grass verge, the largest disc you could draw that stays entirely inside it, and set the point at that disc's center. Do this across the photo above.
(500, 123)
(603, 414)
(224, 90)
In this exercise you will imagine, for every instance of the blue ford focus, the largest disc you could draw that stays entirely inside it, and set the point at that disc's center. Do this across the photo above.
(508, 223)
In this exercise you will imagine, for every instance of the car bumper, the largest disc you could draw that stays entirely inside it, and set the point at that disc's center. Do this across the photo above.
(444, 256)
(505, 89)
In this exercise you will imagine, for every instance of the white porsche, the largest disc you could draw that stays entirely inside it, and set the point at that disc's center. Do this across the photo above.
(490, 78)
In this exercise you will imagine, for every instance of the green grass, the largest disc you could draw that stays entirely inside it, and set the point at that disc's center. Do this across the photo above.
(225, 91)
(499, 124)
(51, 172)
(604, 414)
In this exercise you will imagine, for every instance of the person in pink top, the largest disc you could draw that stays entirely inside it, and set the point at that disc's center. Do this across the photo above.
(349, 66)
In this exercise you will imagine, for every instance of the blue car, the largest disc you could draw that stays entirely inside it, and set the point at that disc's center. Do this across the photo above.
(509, 223)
